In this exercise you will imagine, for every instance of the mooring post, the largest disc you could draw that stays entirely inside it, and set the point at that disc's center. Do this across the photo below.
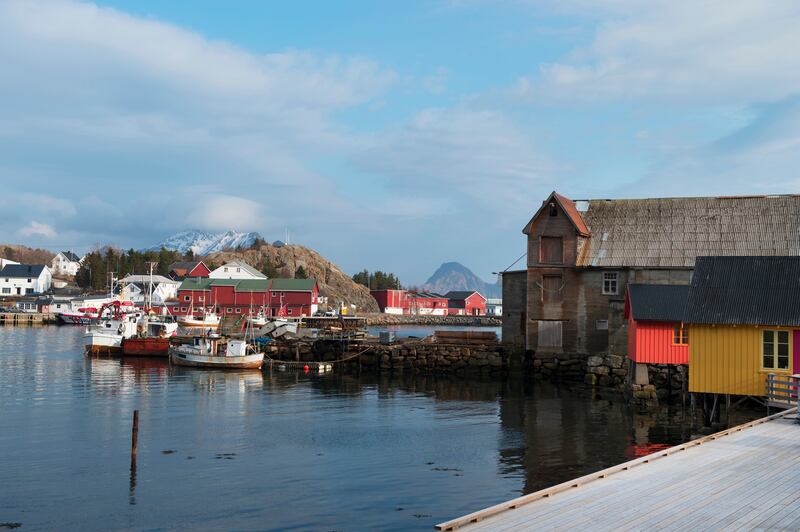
(135, 434)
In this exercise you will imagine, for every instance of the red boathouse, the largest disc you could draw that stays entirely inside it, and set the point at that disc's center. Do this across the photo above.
(656, 333)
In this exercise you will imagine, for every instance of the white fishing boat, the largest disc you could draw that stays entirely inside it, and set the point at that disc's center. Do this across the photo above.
(258, 320)
(206, 320)
(213, 351)
(107, 335)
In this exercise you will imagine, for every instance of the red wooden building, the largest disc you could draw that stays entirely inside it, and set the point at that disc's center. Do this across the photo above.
(656, 334)
(466, 303)
(391, 301)
(179, 271)
(277, 297)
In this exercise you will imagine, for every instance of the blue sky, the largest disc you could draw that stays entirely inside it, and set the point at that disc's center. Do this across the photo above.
(386, 135)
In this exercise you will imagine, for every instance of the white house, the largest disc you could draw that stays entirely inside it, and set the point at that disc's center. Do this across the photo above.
(21, 279)
(494, 307)
(65, 263)
(236, 270)
(136, 288)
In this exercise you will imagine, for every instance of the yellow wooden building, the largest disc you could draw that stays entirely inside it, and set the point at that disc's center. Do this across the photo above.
(744, 323)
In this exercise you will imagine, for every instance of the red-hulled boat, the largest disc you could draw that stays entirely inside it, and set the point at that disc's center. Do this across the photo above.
(146, 347)
(152, 339)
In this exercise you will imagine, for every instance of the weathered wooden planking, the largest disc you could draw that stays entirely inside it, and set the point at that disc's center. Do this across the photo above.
(744, 475)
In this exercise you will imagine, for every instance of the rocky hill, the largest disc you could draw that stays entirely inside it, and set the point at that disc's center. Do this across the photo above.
(333, 282)
(26, 255)
(455, 276)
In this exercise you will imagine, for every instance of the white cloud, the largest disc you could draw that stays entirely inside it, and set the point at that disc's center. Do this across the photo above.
(460, 153)
(222, 212)
(35, 229)
(712, 52)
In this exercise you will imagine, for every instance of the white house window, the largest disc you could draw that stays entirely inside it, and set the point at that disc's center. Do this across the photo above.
(225, 270)
(610, 283)
(6, 290)
(29, 280)
(238, 270)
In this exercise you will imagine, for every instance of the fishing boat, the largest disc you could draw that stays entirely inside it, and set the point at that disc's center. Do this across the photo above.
(106, 334)
(213, 351)
(152, 338)
(258, 320)
(84, 316)
(206, 320)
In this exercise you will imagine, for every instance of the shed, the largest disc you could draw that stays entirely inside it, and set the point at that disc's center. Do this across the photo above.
(744, 318)
(656, 334)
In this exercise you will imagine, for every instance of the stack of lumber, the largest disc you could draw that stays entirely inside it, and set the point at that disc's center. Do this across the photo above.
(465, 337)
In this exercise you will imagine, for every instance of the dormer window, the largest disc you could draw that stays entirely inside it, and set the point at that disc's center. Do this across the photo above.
(553, 209)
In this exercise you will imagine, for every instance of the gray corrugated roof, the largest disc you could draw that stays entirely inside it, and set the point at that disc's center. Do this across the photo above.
(672, 232)
(22, 270)
(745, 291)
(71, 256)
(461, 294)
(657, 302)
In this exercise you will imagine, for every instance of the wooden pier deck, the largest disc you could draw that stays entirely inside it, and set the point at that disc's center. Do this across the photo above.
(747, 477)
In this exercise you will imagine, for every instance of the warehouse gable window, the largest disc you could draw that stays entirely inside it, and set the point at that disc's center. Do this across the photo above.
(610, 283)
(551, 250)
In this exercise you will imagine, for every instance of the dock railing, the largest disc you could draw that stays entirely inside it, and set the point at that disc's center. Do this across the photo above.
(782, 390)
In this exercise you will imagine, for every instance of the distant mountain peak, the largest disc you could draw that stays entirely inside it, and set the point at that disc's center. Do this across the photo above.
(205, 242)
(455, 276)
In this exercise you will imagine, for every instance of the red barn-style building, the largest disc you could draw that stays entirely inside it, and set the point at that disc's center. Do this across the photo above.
(391, 301)
(179, 271)
(656, 333)
(277, 297)
(466, 303)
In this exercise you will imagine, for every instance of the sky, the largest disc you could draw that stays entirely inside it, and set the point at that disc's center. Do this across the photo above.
(385, 135)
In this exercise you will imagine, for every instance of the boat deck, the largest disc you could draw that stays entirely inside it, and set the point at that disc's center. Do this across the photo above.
(747, 477)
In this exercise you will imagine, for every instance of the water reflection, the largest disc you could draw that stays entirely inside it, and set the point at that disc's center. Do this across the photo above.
(373, 451)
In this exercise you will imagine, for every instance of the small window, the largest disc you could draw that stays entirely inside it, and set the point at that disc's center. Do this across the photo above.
(553, 209)
(289, 311)
(775, 349)
(238, 311)
(225, 270)
(29, 280)
(601, 325)
(680, 335)
(229, 310)
(187, 298)
(238, 270)
(6, 290)
(201, 298)
(610, 283)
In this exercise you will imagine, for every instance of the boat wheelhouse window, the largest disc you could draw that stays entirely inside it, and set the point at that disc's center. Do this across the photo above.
(775, 349)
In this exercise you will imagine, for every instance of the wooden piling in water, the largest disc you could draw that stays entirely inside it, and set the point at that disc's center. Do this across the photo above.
(135, 434)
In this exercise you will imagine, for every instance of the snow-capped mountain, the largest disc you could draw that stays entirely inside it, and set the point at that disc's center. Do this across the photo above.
(203, 242)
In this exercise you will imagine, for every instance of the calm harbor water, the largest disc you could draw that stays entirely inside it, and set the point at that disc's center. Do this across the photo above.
(285, 451)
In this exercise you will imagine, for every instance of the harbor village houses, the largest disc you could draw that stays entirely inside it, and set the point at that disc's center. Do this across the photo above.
(566, 309)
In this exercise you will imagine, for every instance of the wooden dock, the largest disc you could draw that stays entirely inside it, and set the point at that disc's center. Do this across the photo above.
(746, 477)
(26, 318)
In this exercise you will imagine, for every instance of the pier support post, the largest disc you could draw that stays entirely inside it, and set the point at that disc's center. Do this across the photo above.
(134, 435)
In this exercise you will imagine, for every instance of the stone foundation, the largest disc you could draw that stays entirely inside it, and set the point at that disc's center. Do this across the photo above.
(663, 381)
(415, 357)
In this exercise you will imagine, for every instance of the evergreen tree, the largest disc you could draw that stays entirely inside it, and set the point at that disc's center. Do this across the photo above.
(268, 269)
(300, 273)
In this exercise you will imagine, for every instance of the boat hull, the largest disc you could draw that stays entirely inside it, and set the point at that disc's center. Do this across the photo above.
(252, 361)
(146, 347)
(74, 319)
(103, 344)
(189, 322)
